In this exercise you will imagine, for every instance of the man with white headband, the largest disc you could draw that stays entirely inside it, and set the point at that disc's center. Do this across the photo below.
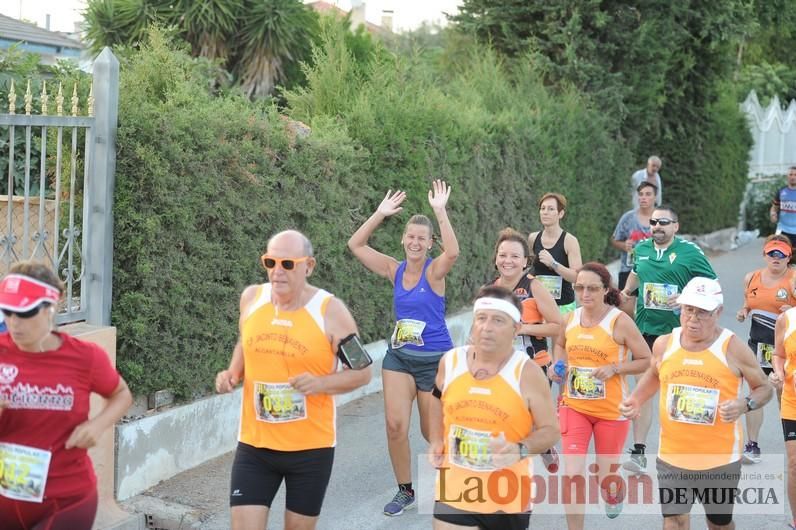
(494, 410)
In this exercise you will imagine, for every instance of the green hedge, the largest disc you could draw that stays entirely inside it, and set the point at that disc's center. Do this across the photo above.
(203, 181)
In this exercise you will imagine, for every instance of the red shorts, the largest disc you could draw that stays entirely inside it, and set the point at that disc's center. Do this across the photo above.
(67, 513)
(577, 429)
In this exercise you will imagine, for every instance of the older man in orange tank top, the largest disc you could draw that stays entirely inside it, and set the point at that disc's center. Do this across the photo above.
(699, 369)
(290, 333)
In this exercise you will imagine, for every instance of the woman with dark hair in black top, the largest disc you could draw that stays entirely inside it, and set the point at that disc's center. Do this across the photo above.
(557, 252)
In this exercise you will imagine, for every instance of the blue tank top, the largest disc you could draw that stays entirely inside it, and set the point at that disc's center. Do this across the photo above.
(420, 316)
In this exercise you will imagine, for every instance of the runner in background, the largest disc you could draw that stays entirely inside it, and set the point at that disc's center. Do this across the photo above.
(662, 266)
(47, 480)
(492, 411)
(699, 369)
(632, 228)
(291, 336)
(421, 335)
(595, 347)
(783, 207)
(557, 253)
(784, 379)
(767, 293)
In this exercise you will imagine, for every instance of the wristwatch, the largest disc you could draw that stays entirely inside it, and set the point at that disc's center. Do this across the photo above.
(750, 404)
(523, 450)
(554, 265)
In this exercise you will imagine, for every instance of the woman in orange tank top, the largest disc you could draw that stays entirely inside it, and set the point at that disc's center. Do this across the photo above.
(784, 380)
(595, 346)
(768, 292)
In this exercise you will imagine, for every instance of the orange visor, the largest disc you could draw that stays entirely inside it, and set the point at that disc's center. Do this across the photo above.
(778, 245)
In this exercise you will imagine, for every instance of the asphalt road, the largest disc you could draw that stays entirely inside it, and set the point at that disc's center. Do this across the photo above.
(362, 480)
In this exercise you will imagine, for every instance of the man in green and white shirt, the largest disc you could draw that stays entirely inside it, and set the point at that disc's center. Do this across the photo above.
(662, 266)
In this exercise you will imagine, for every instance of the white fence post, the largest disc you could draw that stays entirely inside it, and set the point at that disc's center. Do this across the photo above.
(98, 221)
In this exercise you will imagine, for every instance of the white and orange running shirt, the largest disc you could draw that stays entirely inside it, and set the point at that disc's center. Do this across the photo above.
(474, 410)
(588, 348)
(693, 435)
(278, 345)
(788, 406)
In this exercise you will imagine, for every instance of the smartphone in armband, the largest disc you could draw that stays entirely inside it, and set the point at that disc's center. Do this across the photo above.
(353, 354)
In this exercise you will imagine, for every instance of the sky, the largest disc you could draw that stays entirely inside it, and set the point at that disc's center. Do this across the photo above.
(407, 14)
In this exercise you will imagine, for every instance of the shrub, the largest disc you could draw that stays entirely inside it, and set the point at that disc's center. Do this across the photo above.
(758, 204)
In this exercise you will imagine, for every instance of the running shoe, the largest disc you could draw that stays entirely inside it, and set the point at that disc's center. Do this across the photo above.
(637, 463)
(751, 453)
(613, 507)
(402, 501)
(550, 459)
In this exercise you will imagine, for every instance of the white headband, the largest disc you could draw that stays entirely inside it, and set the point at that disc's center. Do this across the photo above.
(498, 305)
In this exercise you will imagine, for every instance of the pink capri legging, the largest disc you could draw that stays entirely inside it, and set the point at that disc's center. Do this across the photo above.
(577, 429)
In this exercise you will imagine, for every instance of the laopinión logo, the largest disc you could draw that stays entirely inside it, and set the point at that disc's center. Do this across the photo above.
(757, 492)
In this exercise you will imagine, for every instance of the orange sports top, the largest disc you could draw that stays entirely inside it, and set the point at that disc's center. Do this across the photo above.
(770, 299)
(788, 406)
(692, 434)
(473, 411)
(278, 345)
(588, 349)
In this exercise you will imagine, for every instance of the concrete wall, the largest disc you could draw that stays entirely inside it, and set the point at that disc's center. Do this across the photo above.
(158, 447)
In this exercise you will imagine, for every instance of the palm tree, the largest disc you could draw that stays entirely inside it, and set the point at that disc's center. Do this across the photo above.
(255, 40)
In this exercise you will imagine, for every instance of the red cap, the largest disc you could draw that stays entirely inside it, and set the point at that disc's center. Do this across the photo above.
(776, 244)
(23, 293)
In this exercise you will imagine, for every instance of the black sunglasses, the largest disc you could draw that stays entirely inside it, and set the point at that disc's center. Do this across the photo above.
(30, 313)
(662, 222)
(776, 254)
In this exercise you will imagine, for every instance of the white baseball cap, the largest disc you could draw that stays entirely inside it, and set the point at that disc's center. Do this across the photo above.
(703, 293)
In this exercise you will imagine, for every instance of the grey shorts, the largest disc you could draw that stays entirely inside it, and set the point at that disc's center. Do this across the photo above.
(422, 367)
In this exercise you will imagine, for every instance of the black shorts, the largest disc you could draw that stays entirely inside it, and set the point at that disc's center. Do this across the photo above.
(257, 474)
(714, 488)
(422, 367)
(789, 430)
(484, 521)
(650, 339)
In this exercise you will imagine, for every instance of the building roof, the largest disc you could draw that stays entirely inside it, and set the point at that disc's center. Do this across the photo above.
(327, 8)
(16, 30)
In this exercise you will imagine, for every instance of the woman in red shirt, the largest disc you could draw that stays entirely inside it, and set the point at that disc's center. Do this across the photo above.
(46, 378)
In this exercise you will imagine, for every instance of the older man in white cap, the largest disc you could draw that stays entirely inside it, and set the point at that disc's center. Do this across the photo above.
(700, 369)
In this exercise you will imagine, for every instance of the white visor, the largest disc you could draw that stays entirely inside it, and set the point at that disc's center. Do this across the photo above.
(497, 304)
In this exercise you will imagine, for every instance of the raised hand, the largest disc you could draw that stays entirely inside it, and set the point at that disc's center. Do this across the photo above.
(391, 204)
(438, 194)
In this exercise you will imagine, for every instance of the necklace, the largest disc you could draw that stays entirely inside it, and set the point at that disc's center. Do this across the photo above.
(483, 373)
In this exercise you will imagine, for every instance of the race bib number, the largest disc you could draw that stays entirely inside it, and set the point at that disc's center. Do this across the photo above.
(552, 284)
(764, 353)
(23, 472)
(656, 295)
(279, 403)
(470, 448)
(581, 384)
(692, 404)
(408, 331)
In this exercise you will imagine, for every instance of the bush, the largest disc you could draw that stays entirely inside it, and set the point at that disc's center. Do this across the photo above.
(202, 181)
(758, 204)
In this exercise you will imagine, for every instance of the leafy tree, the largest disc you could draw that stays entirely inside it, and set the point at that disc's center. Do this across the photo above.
(261, 42)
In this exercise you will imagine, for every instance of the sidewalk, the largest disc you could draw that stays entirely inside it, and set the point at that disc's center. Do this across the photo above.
(362, 480)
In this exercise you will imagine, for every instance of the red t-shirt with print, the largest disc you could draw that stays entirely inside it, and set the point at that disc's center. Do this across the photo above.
(48, 396)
